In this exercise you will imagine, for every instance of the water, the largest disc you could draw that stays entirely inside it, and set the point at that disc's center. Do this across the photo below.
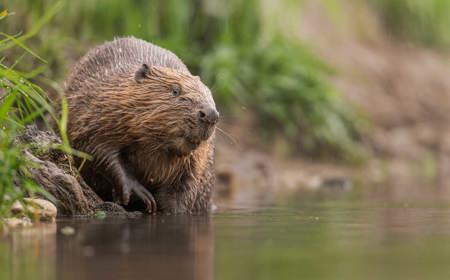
(350, 235)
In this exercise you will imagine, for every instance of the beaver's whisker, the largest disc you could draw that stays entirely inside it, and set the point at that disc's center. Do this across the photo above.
(227, 135)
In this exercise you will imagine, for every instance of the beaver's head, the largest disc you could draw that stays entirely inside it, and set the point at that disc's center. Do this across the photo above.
(176, 109)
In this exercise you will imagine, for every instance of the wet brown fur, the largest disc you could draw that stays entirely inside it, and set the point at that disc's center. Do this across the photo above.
(115, 115)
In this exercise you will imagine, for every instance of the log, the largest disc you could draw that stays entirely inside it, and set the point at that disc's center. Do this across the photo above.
(56, 173)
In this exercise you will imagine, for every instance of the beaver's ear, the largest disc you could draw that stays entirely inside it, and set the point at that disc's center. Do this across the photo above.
(142, 73)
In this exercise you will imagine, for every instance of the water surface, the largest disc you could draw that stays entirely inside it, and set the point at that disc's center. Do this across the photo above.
(344, 235)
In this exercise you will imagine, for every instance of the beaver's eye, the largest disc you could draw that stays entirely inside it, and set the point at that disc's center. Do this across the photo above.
(176, 91)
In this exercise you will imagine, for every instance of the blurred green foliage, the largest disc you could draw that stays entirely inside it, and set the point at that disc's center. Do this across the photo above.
(424, 21)
(21, 103)
(226, 42)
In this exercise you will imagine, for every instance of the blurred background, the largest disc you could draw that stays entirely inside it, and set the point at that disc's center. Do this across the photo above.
(333, 153)
(312, 94)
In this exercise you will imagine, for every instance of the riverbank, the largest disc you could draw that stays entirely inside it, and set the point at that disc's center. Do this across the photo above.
(404, 91)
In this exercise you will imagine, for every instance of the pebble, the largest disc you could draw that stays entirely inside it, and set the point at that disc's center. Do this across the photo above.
(68, 230)
(17, 222)
(36, 207)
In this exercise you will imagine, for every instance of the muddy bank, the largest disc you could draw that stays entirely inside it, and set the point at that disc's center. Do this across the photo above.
(401, 88)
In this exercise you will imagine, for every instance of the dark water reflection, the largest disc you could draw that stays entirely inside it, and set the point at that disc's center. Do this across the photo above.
(156, 247)
(351, 235)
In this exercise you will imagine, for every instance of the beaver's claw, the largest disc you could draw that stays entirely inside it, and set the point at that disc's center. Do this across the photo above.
(141, 192)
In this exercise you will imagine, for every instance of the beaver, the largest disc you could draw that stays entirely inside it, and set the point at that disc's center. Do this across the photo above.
(148, 124)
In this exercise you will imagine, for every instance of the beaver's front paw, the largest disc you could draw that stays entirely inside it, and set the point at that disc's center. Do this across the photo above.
(134, 187)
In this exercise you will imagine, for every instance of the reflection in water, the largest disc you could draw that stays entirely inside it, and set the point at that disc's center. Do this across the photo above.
(29, 254)
(370, 234)
(169, 247)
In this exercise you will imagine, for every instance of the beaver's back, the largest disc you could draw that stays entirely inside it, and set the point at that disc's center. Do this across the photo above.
(119, 57)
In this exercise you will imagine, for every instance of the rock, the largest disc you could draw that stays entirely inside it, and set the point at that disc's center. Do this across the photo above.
(68, 230)
(17, 208)
(111, 209)
(44, 209)
(336, 184)
(17, 222)
(37, 208)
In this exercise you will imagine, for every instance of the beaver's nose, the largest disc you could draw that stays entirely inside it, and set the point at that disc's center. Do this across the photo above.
(208, 115)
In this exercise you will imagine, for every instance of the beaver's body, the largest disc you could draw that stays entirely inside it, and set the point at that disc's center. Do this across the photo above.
(147, 122)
